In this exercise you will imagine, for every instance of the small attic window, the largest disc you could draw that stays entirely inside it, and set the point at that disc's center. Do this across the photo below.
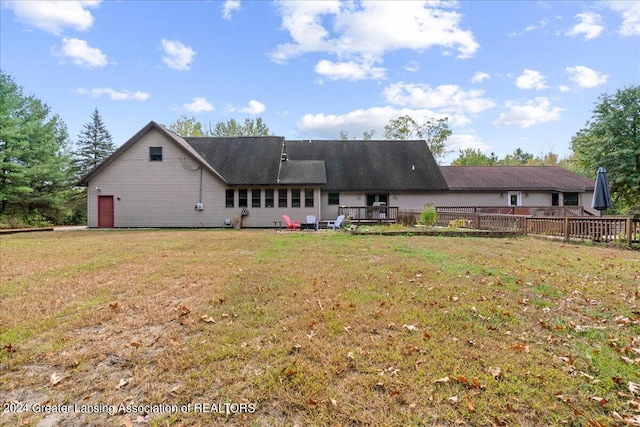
(155, 154)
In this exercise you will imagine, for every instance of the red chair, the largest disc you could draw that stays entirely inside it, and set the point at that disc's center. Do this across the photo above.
(291, 225)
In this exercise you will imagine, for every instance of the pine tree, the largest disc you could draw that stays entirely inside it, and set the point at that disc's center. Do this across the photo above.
(94, 145)
(34, 166)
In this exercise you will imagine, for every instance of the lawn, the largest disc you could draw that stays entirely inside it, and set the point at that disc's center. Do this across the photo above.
(203, 327)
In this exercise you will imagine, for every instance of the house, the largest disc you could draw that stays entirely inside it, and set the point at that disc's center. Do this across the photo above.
(517, 186)
(160, 179)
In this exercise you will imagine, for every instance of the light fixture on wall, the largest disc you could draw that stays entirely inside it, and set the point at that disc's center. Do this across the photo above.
(98, 188)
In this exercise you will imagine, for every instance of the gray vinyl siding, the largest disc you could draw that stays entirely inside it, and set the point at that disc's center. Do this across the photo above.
(157, 193)
(165, 193)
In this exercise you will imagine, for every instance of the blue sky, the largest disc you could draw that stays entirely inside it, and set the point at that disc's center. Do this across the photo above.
(507, 74)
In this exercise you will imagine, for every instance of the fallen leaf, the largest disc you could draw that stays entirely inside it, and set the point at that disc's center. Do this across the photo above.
(411, 328)
(207, 319)
(600, 400)
(56, 378)
(470, 404)
(496, 373)
(453, 399)
(122, 383)
(126, 422)
(442, 380)
(634, 388)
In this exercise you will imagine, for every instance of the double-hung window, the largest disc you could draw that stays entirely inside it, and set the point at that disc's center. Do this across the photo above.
(295, 197)
(228, 196)
(268, 198)
(243, 201)
(282, 198)
(255, 198)
(308, 197)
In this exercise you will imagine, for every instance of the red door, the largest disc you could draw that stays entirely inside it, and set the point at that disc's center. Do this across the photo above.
(105, 211)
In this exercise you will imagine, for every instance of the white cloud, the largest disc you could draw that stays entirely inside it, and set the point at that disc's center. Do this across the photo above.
(585, 77)
(463, 141)
(80, 53)
(254, 108)
(480, 76)
(350, 70)
(564, 88)
(590, 25)
(413, 67)
(446, 98)
(198, 105)
(114, 95)
(228, 7)
(328, 126)
(531, 79)
(543, 23)
(177, 55)
(362, 32)
(54, 16)
(630, 11)
(538, 110)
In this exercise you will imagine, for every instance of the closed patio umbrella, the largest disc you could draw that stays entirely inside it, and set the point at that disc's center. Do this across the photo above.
(601, 193)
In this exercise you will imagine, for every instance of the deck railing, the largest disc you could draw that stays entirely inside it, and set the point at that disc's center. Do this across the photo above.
(518, 210)
(601, 229)
(360, 214)
(482, 221)
(598, 229)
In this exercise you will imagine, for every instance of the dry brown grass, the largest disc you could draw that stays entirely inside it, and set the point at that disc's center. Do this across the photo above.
(317, 329)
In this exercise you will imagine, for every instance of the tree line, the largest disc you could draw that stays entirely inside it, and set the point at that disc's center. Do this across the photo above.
(40, 164)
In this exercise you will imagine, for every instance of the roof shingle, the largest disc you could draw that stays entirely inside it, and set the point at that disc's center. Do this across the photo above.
(372, 165)
(540, 178)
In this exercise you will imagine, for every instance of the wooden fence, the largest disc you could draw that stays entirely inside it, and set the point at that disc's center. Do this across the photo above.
(598, 229)
(517, 210)
(482, 221)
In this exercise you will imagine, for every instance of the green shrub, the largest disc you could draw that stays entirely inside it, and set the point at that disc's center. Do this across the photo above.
(429, 216)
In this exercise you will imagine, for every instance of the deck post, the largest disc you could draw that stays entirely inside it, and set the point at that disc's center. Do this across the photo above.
(629, 231)
(566, 228)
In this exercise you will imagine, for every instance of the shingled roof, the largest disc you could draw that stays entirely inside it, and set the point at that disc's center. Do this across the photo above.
(251, 160)
(371, 165)
(522, 178)
(335, 165)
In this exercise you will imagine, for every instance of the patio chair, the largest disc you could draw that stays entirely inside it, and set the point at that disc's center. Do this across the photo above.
(334, 225)
(311, 222)
(291, 225)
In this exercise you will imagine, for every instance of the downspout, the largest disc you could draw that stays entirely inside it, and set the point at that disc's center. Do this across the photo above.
(195, 214)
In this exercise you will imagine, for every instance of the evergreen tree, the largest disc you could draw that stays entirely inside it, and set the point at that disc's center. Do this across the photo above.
(94, 145)
(34, 166)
